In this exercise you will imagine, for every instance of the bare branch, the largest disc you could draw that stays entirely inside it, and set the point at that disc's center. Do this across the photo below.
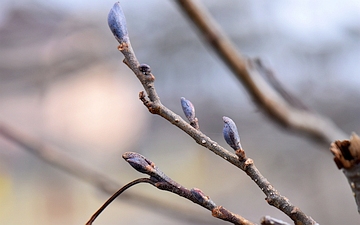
(152, 102)
(100, 181)
(159, 180)
(271, 101)
(163, 182)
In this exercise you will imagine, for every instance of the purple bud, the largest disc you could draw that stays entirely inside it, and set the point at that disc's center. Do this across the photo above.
(188, 109)
(139, 162)
(145, 69)
(117, 23)
(231, 134)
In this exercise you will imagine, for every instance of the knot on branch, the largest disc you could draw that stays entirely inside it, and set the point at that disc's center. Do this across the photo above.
(241, 154)
(271, 199)
(274, 199)
(145, 69)
(153, 108)
(220, 212)
(248, 162)
(123, 46)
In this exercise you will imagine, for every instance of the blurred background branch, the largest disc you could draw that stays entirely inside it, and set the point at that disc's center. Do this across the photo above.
(102, 182)
(247, 71)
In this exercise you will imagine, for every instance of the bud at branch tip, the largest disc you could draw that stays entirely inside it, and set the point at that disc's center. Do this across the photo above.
(231, 134)
(117, 24)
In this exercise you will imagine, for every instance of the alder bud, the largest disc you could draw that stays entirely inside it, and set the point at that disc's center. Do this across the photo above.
(231, 134)
(188, 109)
(139, 162)
(117, 23)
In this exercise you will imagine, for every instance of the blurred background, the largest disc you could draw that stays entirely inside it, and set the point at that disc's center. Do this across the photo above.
(62, 81)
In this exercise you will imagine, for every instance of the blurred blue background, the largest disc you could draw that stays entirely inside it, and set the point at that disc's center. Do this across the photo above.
(62, 80)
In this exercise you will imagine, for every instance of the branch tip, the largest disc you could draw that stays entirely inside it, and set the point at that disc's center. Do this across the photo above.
(117, 25)
(231, 134)
(139, 162)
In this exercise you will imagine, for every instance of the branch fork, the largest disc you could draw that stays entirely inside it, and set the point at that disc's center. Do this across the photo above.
(161, 181)
(239, 159)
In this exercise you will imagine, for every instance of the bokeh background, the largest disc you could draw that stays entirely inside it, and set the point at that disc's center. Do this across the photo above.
(62, 81)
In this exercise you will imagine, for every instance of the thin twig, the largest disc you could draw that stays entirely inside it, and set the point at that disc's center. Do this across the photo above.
(102, 182)
(161, 181)
(114, 196)
(154, 105)
(264, 95)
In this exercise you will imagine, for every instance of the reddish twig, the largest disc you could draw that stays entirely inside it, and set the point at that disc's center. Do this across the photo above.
(114, 196)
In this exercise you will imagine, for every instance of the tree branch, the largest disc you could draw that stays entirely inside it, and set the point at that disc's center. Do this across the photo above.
(100, 181)
(163, 182)
(271, 101)
(159, 180)
(152, 102)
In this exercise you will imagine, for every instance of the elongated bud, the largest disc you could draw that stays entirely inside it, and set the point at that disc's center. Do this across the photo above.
(188, 109)
(117, 24)
(143, 165)
(139, 162)
(231, 134)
